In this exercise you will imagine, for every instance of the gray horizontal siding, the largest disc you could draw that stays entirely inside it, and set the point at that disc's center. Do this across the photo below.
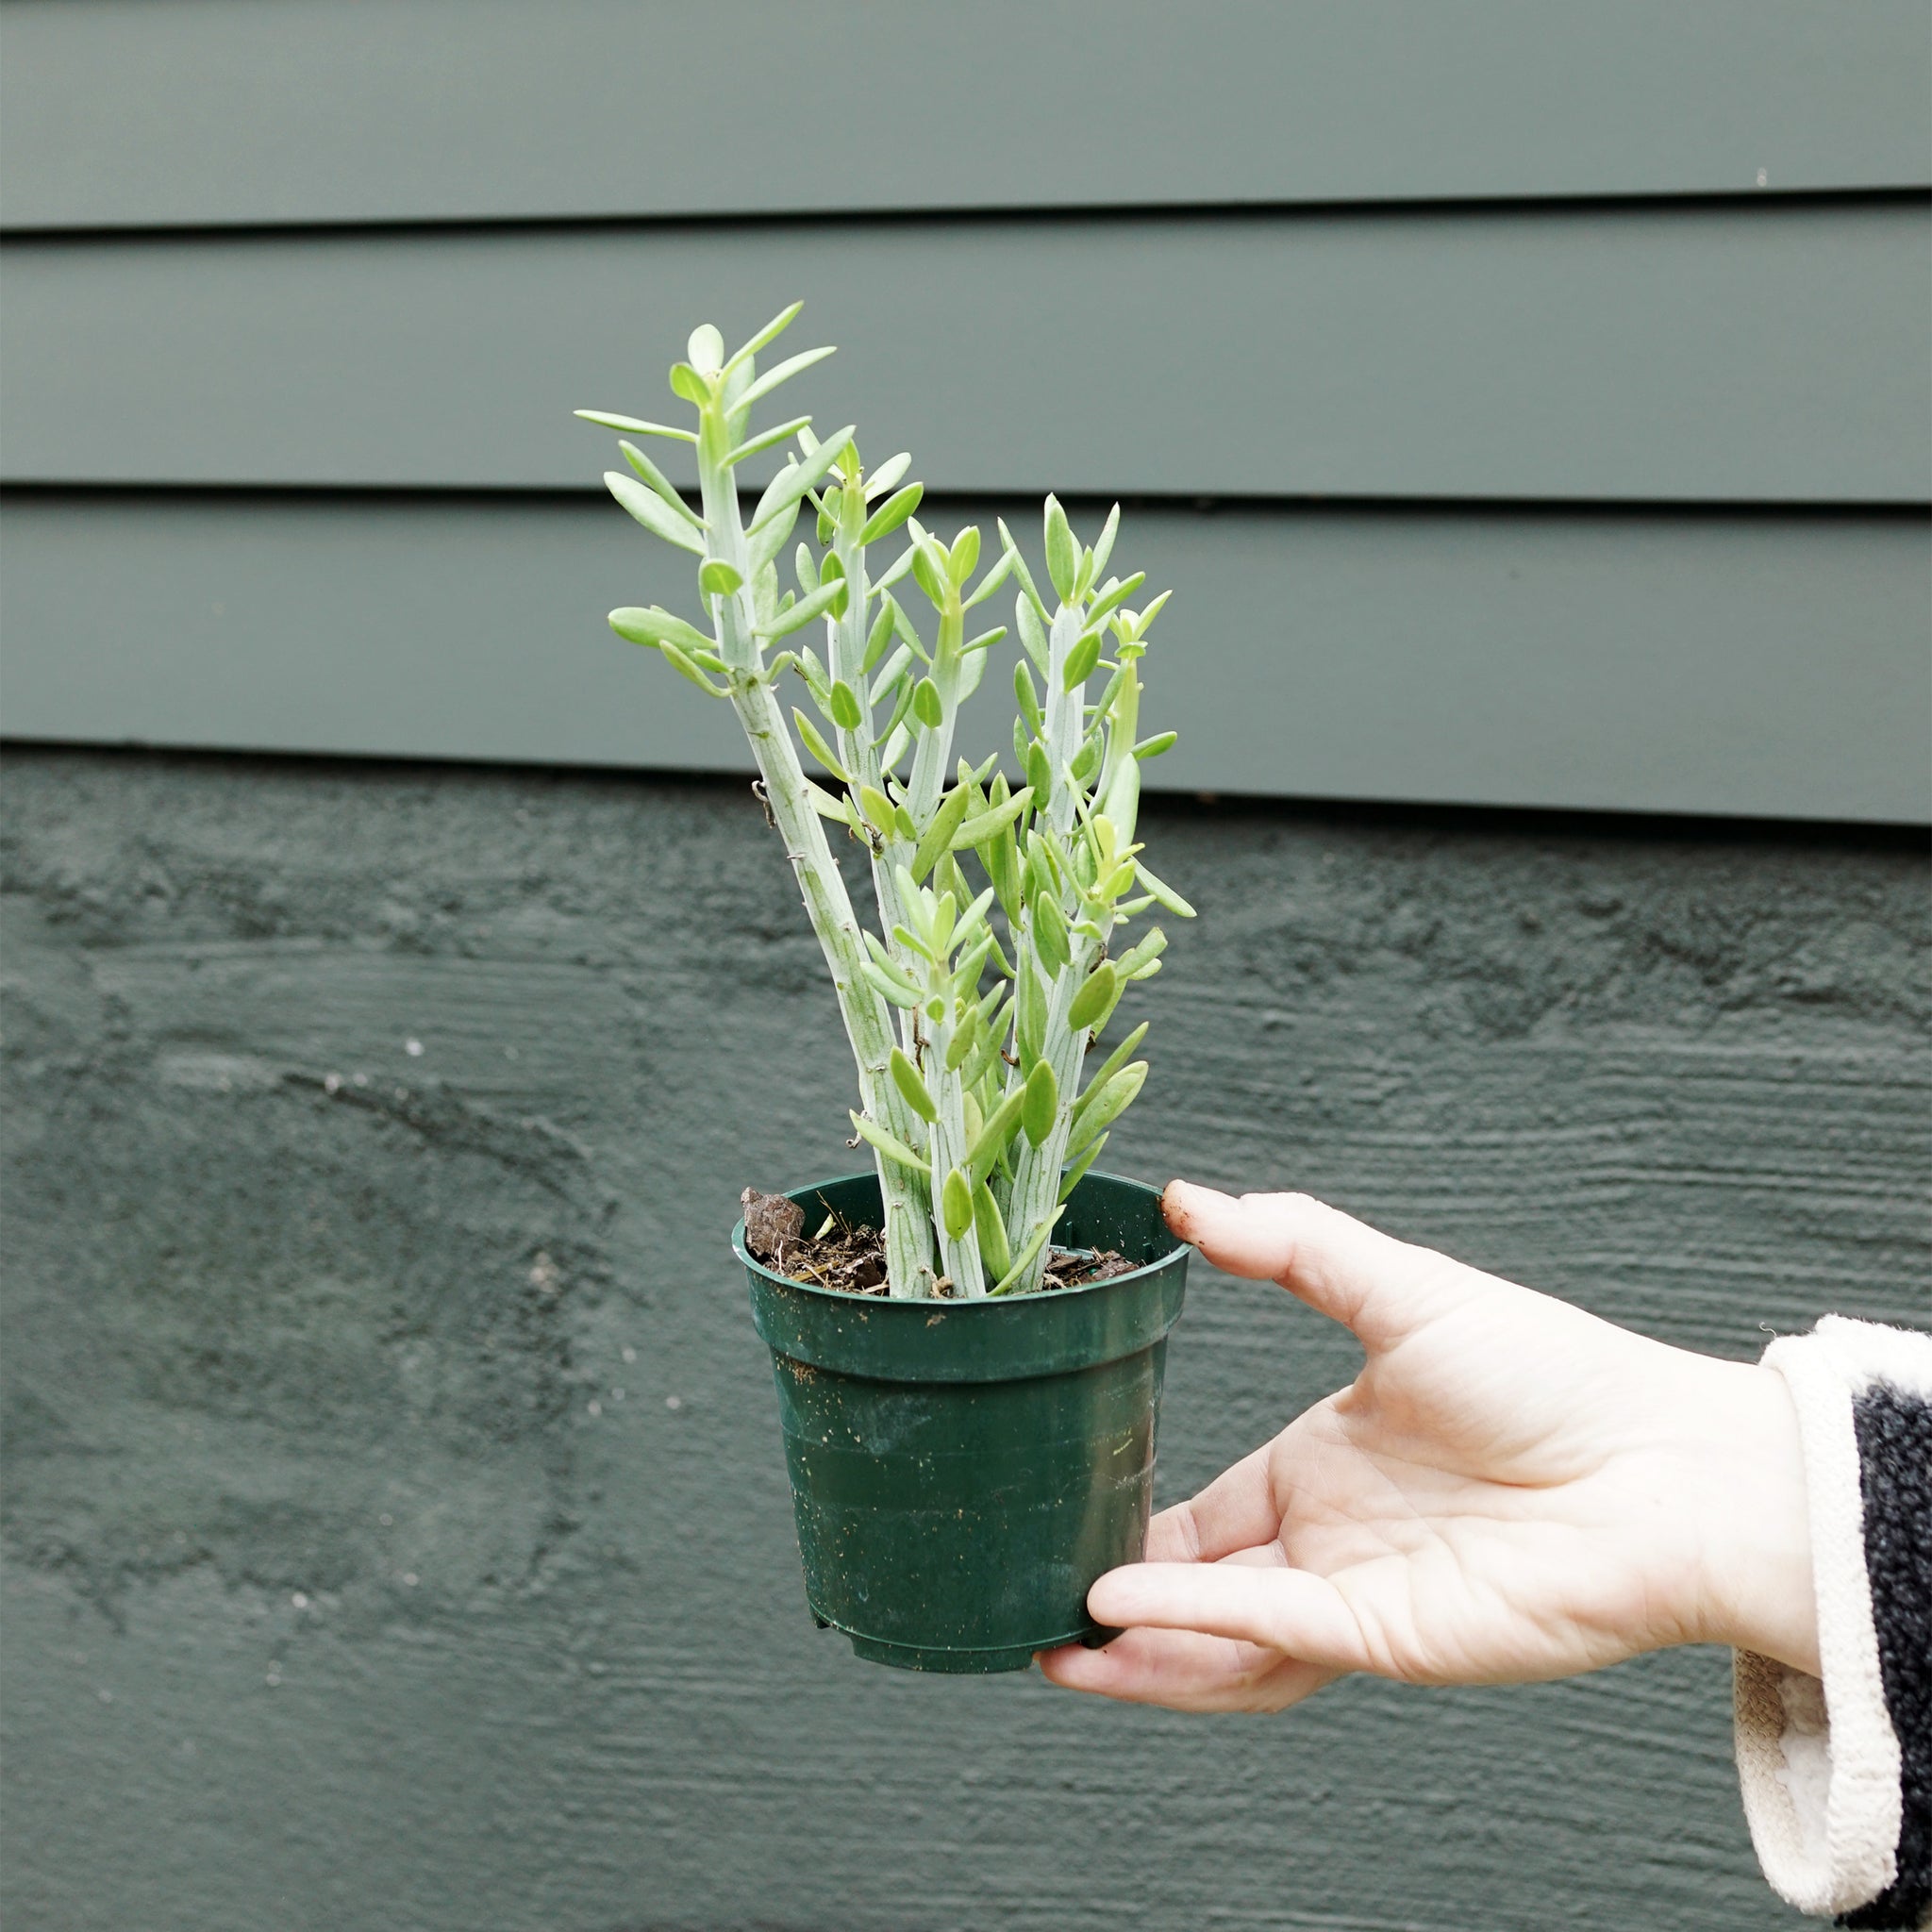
(1758, 665)
(1748, 352)
(198, 111)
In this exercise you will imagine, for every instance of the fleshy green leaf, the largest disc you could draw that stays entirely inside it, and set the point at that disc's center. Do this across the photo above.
(1029, 1013)
(875, 644)
(765, 440)
(927, 576)
(1041, 1104)
(1022, 573)
(1096, 997)
(784, 372)
(878, 807)
(1153, 747)
(846, 713)
(814, 742)
(1104, 603)
(901, 704)
(788, 487)
(928, 706)
(991, 1230)
(1103, 549)
(959, 1050)
(991, 580)
(1049, 928)
(1063, 553)
(717, 578)
(955, 1205)
(686, 382)
(837, 809)
(1038, 770)
(660, 483)
(892, 513)
(1077, 1172)
(1032, 633)
(1081, 660)
(906, 1078)
(1166, 894)
(816, 681)
(1135, 957)
(939, 835)
(1026, 1258)
(883, 982)
(891, 1145)
(886, 474)
(805, 611)
(650, 510)
(994, 1137)
(764, 543)
(636, 425)
(985, 825)
(773, 328)
(654, 627)
(1100, 1106)
(1027, 697)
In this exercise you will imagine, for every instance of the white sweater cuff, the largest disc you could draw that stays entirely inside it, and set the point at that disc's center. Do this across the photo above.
(1820, 1761)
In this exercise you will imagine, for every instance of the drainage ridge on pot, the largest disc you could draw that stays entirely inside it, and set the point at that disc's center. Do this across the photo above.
(962, 1471)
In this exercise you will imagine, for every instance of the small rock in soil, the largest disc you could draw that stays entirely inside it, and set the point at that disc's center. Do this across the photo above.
(771, 1227)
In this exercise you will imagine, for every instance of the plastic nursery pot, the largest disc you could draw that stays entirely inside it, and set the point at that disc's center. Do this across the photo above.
(962, 1471)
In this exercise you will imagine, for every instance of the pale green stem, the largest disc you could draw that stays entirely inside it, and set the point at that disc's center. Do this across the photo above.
(1036, 1170)
(961, 1256)
(909, 1247)
(845, 639)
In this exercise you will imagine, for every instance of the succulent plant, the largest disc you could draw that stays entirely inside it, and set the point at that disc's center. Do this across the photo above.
(970, 1013)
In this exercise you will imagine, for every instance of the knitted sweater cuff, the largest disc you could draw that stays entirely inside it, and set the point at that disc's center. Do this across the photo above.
(1837, 1773)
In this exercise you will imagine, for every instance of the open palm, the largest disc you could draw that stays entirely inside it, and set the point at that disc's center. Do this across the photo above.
(1510, 1490)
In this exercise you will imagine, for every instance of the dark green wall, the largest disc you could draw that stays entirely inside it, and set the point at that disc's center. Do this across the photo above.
(331, 1602)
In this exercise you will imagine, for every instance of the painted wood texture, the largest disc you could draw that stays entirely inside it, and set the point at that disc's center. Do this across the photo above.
(396, 1514)
(123, 112)
(1744, 665)
(1765, 353)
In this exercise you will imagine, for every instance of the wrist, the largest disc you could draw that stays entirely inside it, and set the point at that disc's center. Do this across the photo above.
(1755, 1585)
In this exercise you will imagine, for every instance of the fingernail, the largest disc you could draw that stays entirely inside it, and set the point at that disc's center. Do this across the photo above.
(1173, 1208)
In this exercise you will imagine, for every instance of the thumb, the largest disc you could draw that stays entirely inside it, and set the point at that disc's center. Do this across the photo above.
(1381, 1287)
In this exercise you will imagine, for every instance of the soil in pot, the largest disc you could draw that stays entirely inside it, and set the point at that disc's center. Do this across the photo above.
(852, 1258)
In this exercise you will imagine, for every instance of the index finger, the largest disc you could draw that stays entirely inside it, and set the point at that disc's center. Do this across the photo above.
(1381, 1287)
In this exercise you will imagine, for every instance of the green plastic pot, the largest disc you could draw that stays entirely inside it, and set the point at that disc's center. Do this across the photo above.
(962, 1471)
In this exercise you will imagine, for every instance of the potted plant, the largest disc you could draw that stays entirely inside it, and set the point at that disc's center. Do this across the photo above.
(967, 1340)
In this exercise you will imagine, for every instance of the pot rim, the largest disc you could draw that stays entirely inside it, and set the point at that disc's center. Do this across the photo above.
(1055, 1297)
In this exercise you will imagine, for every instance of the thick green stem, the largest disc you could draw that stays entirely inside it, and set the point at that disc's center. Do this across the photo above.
(909, 1246)
(1036, 1170)
(909, 1243)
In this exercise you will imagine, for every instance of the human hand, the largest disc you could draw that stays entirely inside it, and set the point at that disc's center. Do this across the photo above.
(1511, 1489)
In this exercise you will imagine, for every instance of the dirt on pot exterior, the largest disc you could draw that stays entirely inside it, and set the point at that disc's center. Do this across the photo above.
(852, 1260)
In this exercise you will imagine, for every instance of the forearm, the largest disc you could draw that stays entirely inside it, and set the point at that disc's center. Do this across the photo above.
(1754, 1586)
